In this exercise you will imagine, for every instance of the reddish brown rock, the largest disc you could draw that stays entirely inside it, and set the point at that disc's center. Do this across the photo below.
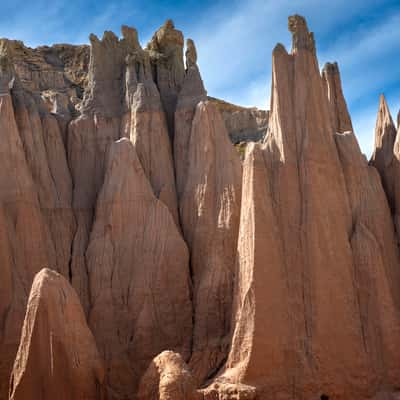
(292, 286)
(139, 275)
(168, 378)
(209, 211)
(25, 239)
(47, 161)
(89, 138)
(166, 54)
(146, 126)
(386, 158)
(57, 355)
(300, 292)
(191, 94)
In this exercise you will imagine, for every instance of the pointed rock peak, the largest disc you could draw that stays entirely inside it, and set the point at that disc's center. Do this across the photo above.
(7, 73)
(166, 37)
(333, 88)
(302, 39)
(279, 48)
(169, 24)
(193, 89)
(385, 136)
(190, 54)
(398, 120)
(54, 334)
(384, 116)
(330, 69)
(130, 36)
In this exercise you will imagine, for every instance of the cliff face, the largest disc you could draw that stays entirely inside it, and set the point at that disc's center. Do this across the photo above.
(180, 271)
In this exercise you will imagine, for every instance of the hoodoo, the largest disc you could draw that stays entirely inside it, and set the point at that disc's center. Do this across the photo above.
(201, 250)
(57, 356)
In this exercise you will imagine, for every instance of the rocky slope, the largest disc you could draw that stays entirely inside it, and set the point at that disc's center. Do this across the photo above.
(177, 270)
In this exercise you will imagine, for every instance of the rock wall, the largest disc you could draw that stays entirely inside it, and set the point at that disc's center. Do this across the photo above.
(180, 270)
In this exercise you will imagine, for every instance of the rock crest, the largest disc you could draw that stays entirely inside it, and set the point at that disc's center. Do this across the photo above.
(57, 356)
(202, 269)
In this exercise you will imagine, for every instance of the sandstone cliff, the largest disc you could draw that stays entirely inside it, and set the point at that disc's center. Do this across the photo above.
(183, 271)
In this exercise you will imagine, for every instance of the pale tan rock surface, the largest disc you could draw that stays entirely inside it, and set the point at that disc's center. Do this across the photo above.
(89, 137)
(192, 93)
(57, 355)
(168, 378)
(139, 275)
(209, 211)
(306, 281)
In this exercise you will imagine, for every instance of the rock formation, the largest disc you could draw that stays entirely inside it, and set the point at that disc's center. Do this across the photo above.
(26, 243)
(243, 124)
(191, 94)
(386, 158)
(333, 87)
(299, 291)
(147, 115)
(209, 211)
(186, 268)
(168, 378)
(57, 355)
(138, 272)
(166, 54)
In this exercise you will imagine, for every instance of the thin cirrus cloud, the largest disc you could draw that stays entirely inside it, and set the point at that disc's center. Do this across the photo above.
(235, 41)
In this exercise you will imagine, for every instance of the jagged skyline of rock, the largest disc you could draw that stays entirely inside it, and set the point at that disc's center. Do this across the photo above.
(200, 249)
(340, 27)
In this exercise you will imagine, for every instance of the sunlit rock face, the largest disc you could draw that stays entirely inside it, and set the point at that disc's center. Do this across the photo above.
(198, 249)
(57, 356)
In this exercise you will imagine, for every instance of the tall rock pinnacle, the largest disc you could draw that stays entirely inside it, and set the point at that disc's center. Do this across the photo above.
(298, 289)
(57, 356)
(209, 211)
(166, 53)
(138, 274)
(192, 93)
(201, 250)
(337, 102)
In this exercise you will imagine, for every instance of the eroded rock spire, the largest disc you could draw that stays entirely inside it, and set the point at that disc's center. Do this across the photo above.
(337, 102)
(301, 38)
(57, 356)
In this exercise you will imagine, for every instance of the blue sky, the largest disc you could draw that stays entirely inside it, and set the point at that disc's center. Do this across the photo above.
(235, 39)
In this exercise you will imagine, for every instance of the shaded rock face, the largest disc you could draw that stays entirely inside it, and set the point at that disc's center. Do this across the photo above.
(192, 93)
(209, 211)
(57, 356)
(386, 157)
(243, 124)
(197, 273)
(35, 215)
(337, 102)
(166, 53)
